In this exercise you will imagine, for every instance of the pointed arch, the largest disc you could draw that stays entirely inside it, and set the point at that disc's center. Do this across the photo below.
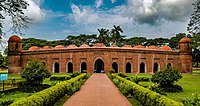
(169, 65)
(99, 66)
(156, 67)
(115, 67)
(128, 67)
(83, 66)
(142, 67)
(56, 67)
(70, 67)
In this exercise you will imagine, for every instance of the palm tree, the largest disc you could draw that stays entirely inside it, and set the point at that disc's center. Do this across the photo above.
(103, 36)
(115, 35)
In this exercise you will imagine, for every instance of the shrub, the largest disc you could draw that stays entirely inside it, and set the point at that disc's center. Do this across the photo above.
(24, 87)
(121, 74)
(50, 95)
(167, 77)
(194, 101)
(59, 78)
(144, 95)
(84, 71)
(6, 102)
(138, 79)
(111, 71)
(75, 74)
(35, 72)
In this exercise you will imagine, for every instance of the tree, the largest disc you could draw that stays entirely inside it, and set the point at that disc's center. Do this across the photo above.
(194, 24)
(116, 36)
(103, 36)
(35, 72)
(14, 9)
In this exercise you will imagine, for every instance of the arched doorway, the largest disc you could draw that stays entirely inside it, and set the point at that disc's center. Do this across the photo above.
(128, 67)
(98, 66)
(56, 67)
(169, 65)
(155, 67)
(142, 67)
(70, 67)
(115, 67)
(83, 66)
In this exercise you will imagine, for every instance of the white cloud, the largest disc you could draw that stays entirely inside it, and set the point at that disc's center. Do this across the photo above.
(34, 11)
(99, 3)
(113, 1)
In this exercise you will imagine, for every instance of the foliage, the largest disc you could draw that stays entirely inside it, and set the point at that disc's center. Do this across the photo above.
(60, 78)
(26, 87)
(35, 72)
(15, 10)
(84, 71)
(194, 101)
(50, 95)
(111, 71)
(121, 74)
(156, 88)
(137, 79)
(74, 74)
(6, 102)
(193, 26)
(145, 96)
(166, 77)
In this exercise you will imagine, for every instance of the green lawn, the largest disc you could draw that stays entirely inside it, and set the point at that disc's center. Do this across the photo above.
(14, 95)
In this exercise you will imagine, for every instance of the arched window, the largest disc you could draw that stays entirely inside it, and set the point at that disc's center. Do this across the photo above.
(115, 67)
(155, 67)
(142, 67)
(69, 67)
(83, 66)
(16, 46)
(98, 66)
(128, 67)
(56, 67)
(169, 65)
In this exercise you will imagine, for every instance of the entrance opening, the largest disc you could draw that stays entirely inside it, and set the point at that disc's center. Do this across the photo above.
(142, 67)
(56, 67)
(98, 66)
(169, 65)
(115, 67)
(155, 67)
(83, 66)
(128, 67)
(70, 67)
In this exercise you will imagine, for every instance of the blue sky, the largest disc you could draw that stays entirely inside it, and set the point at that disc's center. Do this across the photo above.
(56, 19)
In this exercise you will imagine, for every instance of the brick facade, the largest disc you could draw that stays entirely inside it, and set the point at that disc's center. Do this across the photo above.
(136, 59)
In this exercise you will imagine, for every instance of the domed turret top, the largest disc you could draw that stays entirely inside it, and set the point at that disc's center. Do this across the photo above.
(14, 38)
(185, 40)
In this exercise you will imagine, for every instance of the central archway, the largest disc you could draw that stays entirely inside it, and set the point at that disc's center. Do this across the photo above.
(98, 66)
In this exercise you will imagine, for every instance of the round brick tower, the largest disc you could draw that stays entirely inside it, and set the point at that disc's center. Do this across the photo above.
(185, 51)
(14, 54)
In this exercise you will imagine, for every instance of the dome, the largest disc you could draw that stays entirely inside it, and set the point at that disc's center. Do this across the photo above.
(71, 46)
(185, 40)
(14, 38)
(152, 47)
(165, 48)
(138, 46)
(127, 46)
(46, 47)
(34, 48)
(99, 45)
(59, 47)
(84, 46)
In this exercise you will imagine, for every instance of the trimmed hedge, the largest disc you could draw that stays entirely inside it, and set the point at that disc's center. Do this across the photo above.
(143, 95)
(60, 78)
(50, 95)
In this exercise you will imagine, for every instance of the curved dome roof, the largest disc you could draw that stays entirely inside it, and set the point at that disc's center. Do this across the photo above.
(84, 46)
(71, 46)
(138, 46)
(59, 47)
(185, 40)
(165, 48)
(34, 48)
(46, 47)
(152, 47)
(127, 46)
(14, 38)
(99, 45)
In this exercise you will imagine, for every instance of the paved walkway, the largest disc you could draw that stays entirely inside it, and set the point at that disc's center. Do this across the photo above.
(98, 90)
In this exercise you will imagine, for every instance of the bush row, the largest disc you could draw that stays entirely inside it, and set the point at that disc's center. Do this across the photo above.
(143, 95)
(60, 78)
(50, 95)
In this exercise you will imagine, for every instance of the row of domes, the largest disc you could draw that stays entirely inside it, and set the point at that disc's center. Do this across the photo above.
(99, 45)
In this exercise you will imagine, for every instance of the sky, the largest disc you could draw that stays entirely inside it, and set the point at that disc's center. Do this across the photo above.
(56, 19)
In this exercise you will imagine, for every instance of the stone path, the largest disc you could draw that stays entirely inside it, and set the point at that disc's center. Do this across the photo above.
(98, 90)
